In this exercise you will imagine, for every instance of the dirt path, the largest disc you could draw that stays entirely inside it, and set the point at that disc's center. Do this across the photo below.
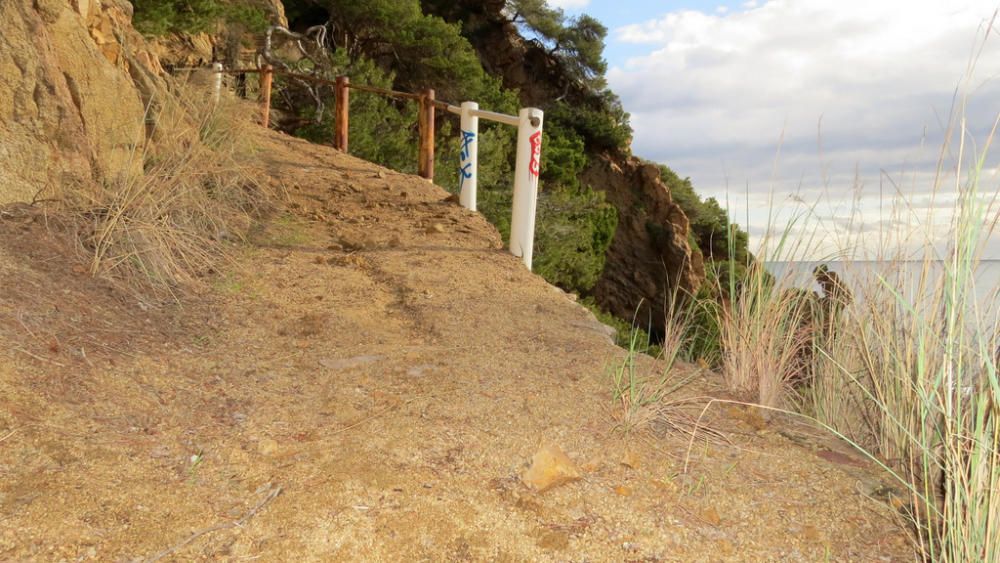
(370, 382)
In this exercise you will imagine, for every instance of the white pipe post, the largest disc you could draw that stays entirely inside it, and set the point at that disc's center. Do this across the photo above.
(217, 91)
(468, 172)
(528, 165)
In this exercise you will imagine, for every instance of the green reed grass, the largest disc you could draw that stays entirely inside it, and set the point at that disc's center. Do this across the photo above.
(907, 374)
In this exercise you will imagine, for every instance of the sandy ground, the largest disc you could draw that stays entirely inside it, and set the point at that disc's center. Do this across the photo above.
(369, 381)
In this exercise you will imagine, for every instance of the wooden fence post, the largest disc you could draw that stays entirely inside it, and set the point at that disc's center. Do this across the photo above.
(341, 117)
(425, 163)
(266, 77)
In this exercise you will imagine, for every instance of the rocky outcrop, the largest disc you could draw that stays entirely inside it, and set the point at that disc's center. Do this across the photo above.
(231, 44)
(650, 257)
(70, 111)
(526, 68)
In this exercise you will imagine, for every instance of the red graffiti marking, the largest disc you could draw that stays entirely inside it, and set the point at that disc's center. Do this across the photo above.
(534, 166)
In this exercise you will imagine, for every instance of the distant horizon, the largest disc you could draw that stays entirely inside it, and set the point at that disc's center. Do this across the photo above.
(838, 108)
(842, 260)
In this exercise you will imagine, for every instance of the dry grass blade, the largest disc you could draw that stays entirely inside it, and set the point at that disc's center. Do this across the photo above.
(271, 495)
(162, 222)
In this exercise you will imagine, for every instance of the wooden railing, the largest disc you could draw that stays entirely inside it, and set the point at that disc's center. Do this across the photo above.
(529, 142)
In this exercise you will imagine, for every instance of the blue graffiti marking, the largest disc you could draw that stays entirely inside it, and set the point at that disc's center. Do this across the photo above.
(466, 174)
(466, 170)
(467, 138)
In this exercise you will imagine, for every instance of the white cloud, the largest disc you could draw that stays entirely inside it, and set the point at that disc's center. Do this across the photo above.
(569, 4)
(808, 96)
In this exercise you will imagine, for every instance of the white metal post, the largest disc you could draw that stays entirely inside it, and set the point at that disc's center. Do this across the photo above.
(528, 165)
(468, 173)
(217, 91)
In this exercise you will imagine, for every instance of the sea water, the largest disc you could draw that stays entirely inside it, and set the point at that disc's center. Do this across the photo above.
(902, 279)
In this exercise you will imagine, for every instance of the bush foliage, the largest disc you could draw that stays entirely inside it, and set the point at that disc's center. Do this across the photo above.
(159, 17)
(408, 45)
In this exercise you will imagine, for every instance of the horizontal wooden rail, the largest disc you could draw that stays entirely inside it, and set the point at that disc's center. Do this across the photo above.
(372, 89)
(385, 92)
(529, 142)
(342, 86)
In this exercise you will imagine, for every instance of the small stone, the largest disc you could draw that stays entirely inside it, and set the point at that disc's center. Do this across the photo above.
(810, 533)
(711, 515)
(345, 363)
(267, 447)
(623, 491)
(351, 242)
(839, 458)
(630, 460)
(435, 228)
(725, 547)
(554, 540)
(528, 505)
(418, 371)
(550, 467)
(395, 241)
(668, 487)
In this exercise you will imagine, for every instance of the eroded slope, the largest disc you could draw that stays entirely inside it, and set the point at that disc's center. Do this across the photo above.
(369, 381)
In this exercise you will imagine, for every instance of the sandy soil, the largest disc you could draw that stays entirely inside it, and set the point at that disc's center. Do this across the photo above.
(369, 381)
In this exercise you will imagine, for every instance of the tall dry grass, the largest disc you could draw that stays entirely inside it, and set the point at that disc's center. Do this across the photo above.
(908, 373)
(644, 392)
(766, 328)
(163, 224)
(911, 377)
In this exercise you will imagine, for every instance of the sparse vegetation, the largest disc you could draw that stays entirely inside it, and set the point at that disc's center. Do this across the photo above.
(165, 220)
(159, 17)
(638, 392)
(908, 373)
(647, 394)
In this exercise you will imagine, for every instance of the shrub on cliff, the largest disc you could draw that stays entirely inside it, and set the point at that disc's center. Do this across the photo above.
(158, 17)
(717, 238)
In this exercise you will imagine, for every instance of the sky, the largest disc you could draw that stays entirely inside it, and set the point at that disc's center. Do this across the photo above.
(834, 112)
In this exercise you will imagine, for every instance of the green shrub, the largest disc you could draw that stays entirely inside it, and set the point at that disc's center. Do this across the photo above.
(159, 17)
(382, 130)
(572, 234)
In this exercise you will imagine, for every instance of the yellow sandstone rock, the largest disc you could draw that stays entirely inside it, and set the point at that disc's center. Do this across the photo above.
(630, 460)
(550, 467)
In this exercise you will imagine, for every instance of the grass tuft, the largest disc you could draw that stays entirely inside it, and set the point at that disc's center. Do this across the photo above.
(908, 372)
(164, 223)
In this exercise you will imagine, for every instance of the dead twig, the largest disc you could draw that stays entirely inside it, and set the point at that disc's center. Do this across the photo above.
(223, 526)
(372, 417)
(24, 326)
(8, 435)
(39, 358)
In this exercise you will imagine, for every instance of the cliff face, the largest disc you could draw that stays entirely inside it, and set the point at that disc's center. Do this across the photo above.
(71, 97)
(650, 256)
